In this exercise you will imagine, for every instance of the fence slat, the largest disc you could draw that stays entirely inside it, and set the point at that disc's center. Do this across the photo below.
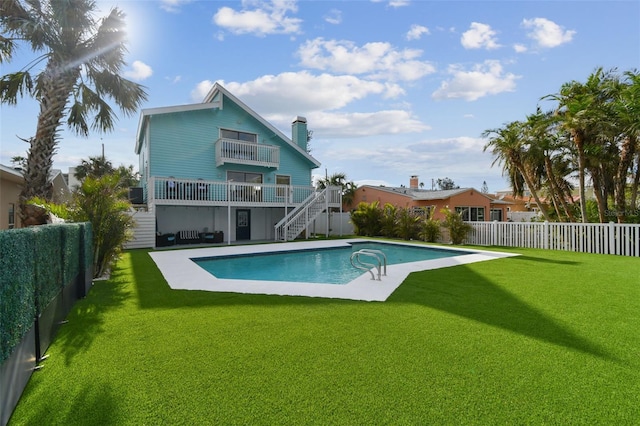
(601, 238)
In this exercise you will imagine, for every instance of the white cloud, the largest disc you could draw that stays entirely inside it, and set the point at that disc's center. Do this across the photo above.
(201, 90)
(172, 6)
(298, 93)
(519, 48)
(457, 157)
(398, 3)
(259, 18)
(140, 71)
(365, 124)
(375, 59)
(279, 98)
(333, 17)
(416, 32)
(482, 80)
(547, 33)
(479, 36)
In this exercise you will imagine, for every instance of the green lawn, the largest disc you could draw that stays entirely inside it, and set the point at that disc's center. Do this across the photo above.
(544, 338)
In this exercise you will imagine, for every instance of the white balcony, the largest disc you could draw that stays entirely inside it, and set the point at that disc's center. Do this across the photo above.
(239, 152)
(192, 192)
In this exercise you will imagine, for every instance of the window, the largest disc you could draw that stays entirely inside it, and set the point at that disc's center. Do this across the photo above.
(244, 177)
(471, 214)
(239, 136)
(246, 192)
(12, 215)
(496, 215)
(424, 211)
(282, 180)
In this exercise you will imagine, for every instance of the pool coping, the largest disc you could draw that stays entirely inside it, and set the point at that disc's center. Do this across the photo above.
(181, 273)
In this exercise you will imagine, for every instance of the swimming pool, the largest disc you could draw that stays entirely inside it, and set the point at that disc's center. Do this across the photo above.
(323, 266)
(182, 273)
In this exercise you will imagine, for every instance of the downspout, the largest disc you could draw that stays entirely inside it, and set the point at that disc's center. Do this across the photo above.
(228, 213)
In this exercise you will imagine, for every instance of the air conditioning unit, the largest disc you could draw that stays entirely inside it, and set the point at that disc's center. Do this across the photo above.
(136, 195)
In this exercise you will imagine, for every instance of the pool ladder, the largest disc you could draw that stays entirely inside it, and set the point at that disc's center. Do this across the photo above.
(380, 259)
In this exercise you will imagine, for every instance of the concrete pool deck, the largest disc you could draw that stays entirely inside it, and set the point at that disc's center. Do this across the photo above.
(182, 273)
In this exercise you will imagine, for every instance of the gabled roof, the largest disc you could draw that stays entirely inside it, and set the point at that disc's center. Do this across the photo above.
(431, 195)
(11, 174)
(56, 178)
(213, 100)
(424, 194)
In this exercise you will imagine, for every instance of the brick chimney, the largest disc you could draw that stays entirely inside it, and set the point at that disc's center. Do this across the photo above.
(413, 182)
(299, 132)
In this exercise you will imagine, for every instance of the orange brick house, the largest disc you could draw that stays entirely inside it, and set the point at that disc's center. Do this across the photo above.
(473, 204)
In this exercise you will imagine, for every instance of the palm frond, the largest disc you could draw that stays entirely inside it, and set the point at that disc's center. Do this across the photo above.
(15, 85)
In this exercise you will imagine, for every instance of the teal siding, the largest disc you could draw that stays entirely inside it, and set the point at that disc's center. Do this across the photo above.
(182, 144)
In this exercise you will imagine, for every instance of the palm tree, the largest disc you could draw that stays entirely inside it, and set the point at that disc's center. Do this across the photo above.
(82, 60)
(627, 114)
(581, 110)
(507, 146)
(95, 167)
(348, 188)
(542, 133)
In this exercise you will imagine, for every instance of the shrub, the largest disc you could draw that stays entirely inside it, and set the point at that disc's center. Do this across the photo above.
(104, 203)
(366, 219)
(458, 228)
(408, 225)
(389, 221)
(430, 229)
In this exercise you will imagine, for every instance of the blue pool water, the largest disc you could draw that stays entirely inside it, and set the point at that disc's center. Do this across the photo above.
(323, 266)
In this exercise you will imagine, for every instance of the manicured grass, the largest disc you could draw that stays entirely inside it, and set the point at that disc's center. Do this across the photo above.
(544, 338)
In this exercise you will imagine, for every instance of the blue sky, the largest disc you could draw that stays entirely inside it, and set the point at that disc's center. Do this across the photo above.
(390, 88)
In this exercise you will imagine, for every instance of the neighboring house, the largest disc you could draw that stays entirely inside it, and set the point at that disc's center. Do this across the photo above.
(218, 167)
(471, 203)
(11, 182)
(522, 208)
(10, 186)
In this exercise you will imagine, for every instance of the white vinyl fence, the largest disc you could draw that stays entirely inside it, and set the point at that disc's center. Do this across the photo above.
(339, 224)
(602, 238)
(144, 231)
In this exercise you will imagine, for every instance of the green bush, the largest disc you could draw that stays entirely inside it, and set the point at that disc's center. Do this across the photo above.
(366, 219)
(458, 228)
(102, 202)
(430, 229)
(389, 221)
(408, 225)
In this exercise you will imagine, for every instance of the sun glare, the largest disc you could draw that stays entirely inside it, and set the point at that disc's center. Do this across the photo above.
(137, 29)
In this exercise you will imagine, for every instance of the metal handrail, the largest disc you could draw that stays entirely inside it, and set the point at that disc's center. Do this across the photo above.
(378, 252)
(355, 257)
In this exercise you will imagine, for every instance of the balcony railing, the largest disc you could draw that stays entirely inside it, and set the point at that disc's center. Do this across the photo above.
(172, 191)
(238, 152)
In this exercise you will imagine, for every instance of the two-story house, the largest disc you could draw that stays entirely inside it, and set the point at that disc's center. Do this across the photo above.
(219, 167)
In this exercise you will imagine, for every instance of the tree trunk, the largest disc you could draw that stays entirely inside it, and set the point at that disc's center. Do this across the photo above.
(579, 142)
(636, 183)
(627, 151)
(556, 189)
(56, 85)
(534, 193)
(598, 191)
